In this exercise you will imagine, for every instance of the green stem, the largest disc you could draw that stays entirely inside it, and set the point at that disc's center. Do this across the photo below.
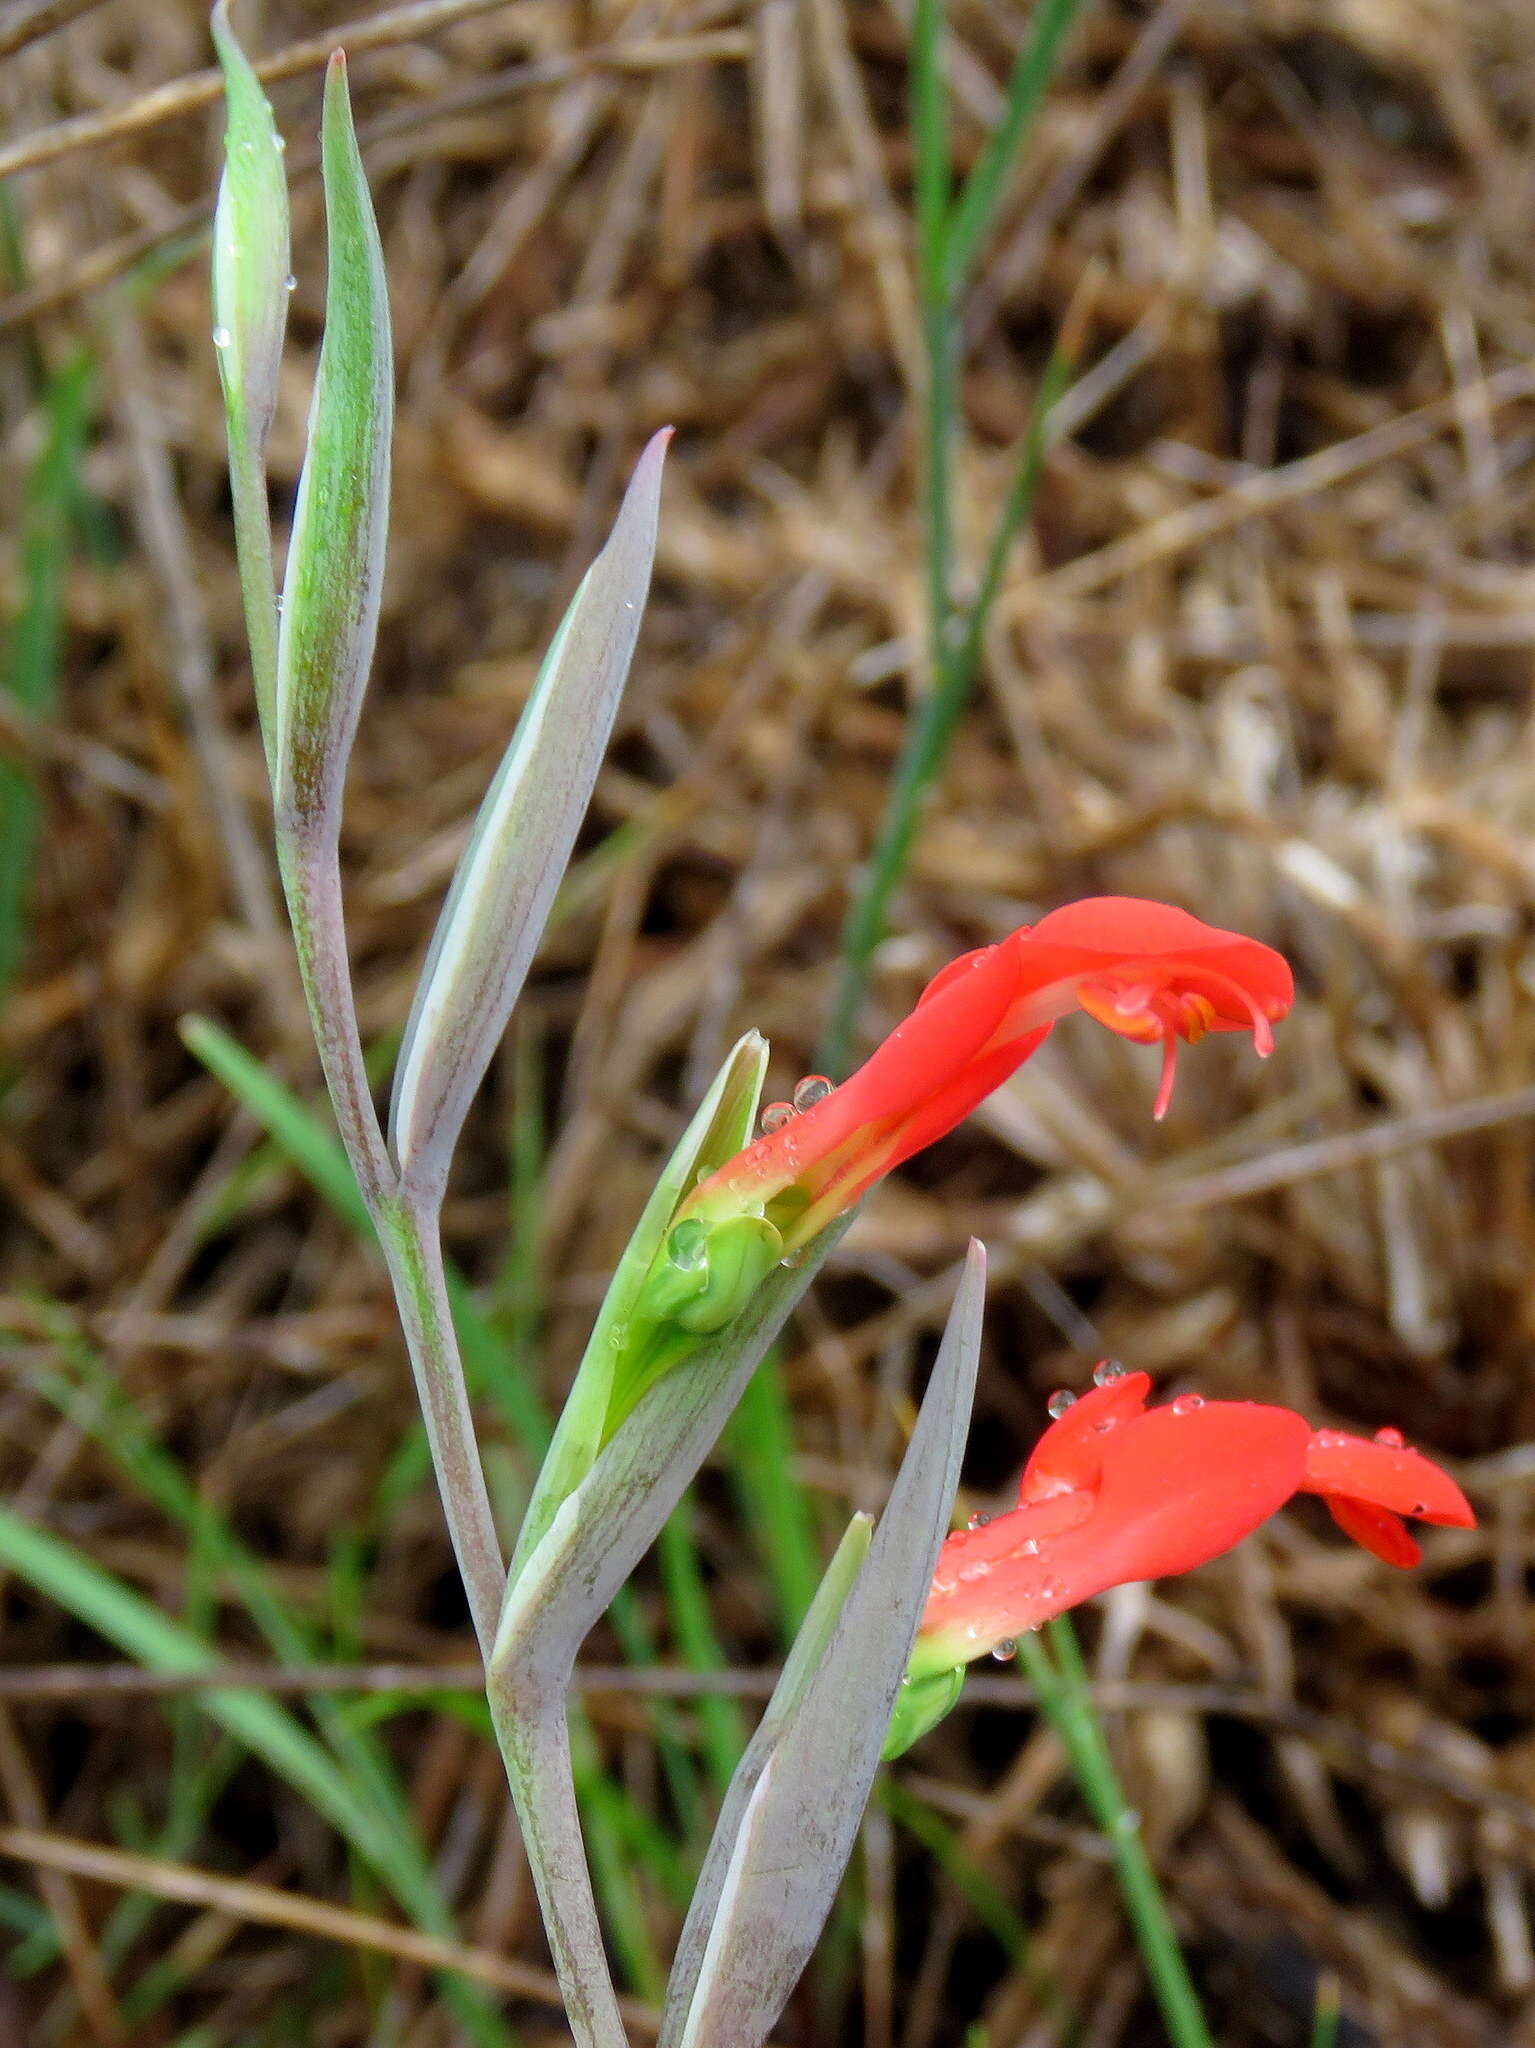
(530, 1725)
(413, 1248)
(1066, 1701)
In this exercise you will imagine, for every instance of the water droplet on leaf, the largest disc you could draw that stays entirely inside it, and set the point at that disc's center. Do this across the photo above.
(221, 337)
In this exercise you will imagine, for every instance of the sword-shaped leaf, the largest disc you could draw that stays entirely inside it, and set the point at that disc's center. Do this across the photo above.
(801, 1816)
(521, 843)
(800, 1666)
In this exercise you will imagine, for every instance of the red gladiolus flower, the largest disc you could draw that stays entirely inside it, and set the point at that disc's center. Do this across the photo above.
(1116, 1492)
(1146, 970)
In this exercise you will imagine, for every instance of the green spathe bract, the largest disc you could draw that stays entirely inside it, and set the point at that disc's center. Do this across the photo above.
(719, 1128)
(250, 312)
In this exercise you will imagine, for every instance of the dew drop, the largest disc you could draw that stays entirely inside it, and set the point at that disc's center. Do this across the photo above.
(1052, 1589)
(1106, 1373)
(221, 337)
(794, 1258)
(1059, 1402)
(1330, 1439)
(1006, 1650)
(1029, 1547)
(978, 1521)
(1188, 1404)
(290, 283)
(282, 144)
(776, 1115)
(969, 1573)
(813, 1089)
(1393, 1439)
(688, 1246)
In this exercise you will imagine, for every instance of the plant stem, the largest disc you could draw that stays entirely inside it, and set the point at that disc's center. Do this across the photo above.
(308, 858)
(529, 1719)
(412, 1243)
(309, 862)
(1066, 1701)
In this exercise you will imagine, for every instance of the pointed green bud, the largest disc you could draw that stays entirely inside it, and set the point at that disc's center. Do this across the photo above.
(921, 1704)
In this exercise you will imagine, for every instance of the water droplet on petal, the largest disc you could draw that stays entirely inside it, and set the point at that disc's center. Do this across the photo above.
(1107, 1372)
(1393, 1439)
(813, 1089)
(1029, 1547)
(1052, 1589)
(978, 1521)
(1059, 1402)
(969, 1573)
(1006, 1650)
(1188, 1404)
(221, 337)
(776, 1115)
(1331, 1439)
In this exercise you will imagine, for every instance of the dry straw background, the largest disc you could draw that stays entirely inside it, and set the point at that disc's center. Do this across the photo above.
(1266, 653)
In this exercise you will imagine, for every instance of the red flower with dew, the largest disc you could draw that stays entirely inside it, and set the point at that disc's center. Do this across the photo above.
(1146, 970)
(1116, 1492)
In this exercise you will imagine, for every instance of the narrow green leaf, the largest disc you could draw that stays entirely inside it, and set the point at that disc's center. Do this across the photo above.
(32, 645)
(335, 570)
(522, 839)
(976, 206)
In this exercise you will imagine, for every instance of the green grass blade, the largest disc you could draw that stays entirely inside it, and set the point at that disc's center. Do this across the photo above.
(775, 1508)
(976, 207)
(692, 1623)
(32, 653)
(1066, 1701)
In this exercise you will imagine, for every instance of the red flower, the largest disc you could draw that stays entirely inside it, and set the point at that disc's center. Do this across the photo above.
(1116, 1492)
(1146, 970)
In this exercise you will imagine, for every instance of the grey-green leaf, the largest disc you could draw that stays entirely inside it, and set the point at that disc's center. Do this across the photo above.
(521, 842)
(800, 1666)
(335, 567)
(802, 1816)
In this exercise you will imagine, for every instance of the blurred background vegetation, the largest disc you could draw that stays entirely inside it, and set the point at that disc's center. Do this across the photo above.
(1264, 650)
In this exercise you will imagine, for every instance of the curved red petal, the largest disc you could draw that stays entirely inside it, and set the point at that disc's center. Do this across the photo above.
(1135, 941)
(1382, 1533)
(1070, 1453)
(1387, 1476)
(1177, 1486)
